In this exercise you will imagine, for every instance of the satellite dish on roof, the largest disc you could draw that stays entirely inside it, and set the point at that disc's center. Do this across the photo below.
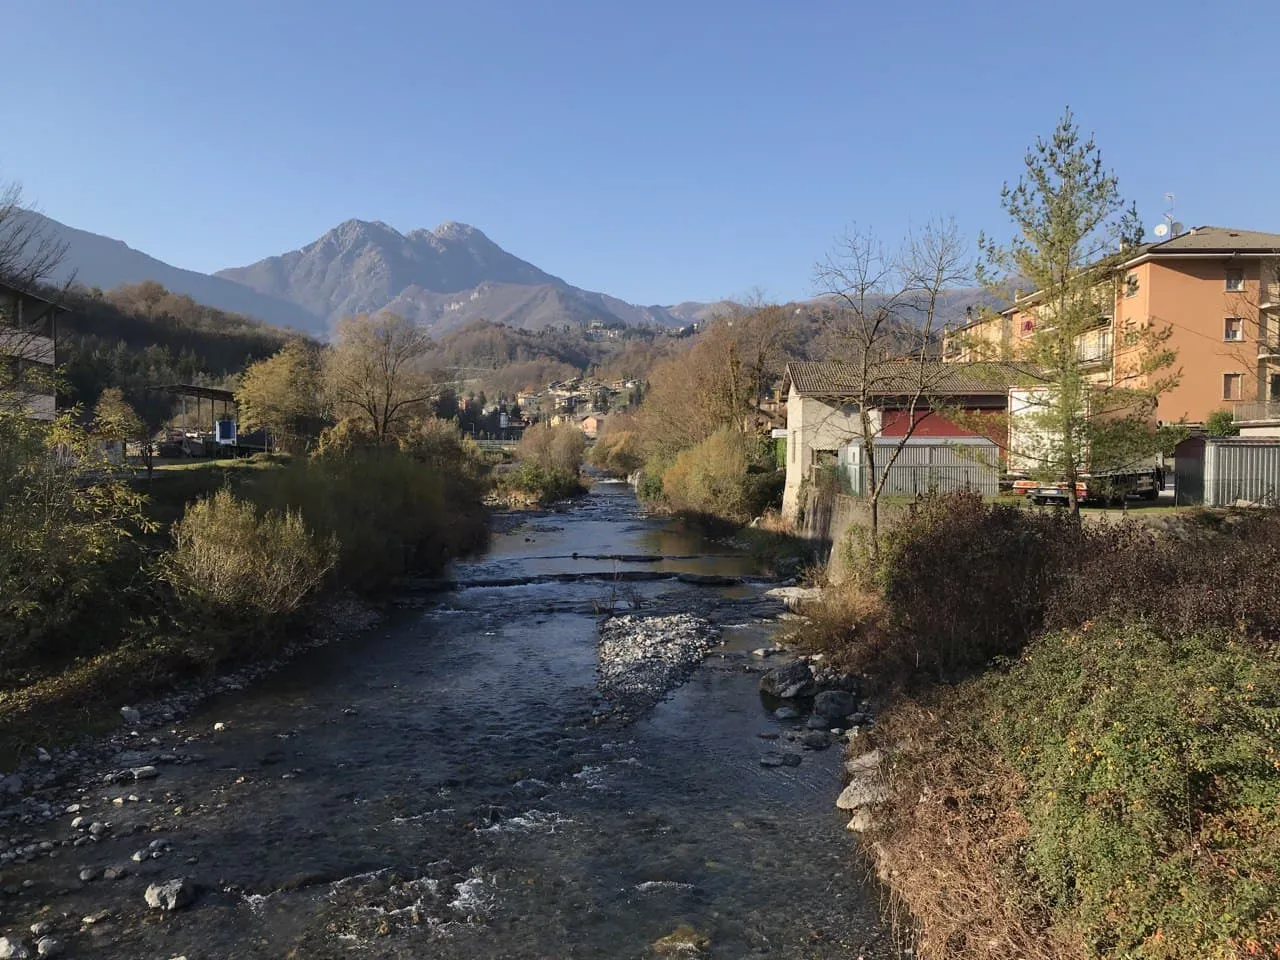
(1177, 228)
(1161, 230)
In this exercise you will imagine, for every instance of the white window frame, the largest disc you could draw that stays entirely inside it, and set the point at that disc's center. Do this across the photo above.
(1239, 331)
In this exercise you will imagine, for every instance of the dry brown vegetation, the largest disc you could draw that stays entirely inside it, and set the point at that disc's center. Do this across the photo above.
(1082, 729)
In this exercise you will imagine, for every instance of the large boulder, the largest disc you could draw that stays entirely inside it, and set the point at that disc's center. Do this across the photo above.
(171, 895)
(863, 792)
(795, 679)
(867, 763)
(834, 704)
(13, 949)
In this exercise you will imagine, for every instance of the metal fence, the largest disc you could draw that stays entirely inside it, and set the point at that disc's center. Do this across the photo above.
(925, 464)
(1240, 470)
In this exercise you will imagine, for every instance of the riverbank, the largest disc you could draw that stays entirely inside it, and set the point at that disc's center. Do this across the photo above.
(206, 569)
(1077, 751)
(454, 782)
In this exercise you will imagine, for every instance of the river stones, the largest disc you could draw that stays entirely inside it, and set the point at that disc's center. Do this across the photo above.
(862, 792)
(170, 895)
(777, 759)
(49, 947)
(834, 704)
(791, 680)
(12, 948)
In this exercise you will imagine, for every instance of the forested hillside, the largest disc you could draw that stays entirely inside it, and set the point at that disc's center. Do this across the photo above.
(142, 335)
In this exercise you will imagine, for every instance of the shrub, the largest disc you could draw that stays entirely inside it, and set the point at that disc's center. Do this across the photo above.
(557, 448)
(67, 526)
(618, 451)
(548, 461)
(712, 481)
(1153, 787)
(540, 484)
(1221, 423)
(964, 582)
(390, 513)
(230, 561)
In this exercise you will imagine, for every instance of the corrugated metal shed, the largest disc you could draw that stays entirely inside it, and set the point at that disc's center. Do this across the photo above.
(928, 464)
(1222, 471)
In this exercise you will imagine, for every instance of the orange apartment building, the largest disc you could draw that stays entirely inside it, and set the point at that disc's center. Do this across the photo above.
(1217, 289)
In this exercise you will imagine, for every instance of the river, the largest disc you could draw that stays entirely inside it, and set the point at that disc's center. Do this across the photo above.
(444, 786)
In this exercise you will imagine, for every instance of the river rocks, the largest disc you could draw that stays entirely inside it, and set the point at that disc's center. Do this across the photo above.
(42, 928)
(684, 941)
(816, 740)
(865, 764)
(834, 704)
(641, 658)
(861, 821)
(130, 715)
(862, 793)
(48, 947)
(88, 875)
(43, 755)
(94, 919)
(787, 713)
(144, 773)
(13, 949)
(12, 784)
(765, 652)
(795, 679)
(794, 597)
(777, 759)
(170, 895)
(866, 788)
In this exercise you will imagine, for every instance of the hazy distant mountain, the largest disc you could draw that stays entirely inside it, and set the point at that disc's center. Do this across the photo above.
(99, 261)
(442, 278)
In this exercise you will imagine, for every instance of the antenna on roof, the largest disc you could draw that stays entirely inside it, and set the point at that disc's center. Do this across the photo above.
(1170, 225)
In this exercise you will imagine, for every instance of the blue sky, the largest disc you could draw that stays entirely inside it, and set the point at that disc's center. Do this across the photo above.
(657, 151)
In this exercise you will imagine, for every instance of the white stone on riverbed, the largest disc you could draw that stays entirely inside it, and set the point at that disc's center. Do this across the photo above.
(641, 658)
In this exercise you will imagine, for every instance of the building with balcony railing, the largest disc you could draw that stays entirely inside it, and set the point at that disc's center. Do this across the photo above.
(1216, 290)
(28, 352)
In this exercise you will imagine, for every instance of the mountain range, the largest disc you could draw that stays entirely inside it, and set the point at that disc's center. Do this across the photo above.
(442, 279)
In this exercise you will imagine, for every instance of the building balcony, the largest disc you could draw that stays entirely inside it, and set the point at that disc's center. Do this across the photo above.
(1257, 413)
(1269, 347)
(1270, 299)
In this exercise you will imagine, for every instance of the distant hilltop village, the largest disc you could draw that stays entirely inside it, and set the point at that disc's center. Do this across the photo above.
(583, 402)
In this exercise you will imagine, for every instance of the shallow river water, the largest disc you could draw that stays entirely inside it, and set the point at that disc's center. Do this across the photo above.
(440, 787)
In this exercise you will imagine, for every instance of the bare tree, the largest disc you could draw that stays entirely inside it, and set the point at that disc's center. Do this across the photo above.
(29, 254)
(375, 371)
(29, 250)
(885, 323)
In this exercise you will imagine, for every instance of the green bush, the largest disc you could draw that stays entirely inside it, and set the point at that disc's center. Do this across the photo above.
(389, 512)
(720, 479)
(231, 562)
(548, 461)
(541, 484)
(67, 528)
(1152, 769)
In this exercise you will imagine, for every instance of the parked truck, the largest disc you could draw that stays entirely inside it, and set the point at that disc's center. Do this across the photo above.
(1029, 446)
